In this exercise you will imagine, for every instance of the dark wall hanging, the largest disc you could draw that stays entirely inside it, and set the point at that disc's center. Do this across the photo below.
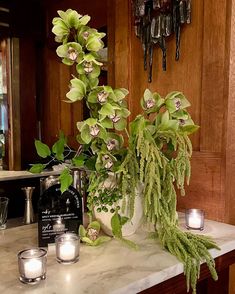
(155, 20)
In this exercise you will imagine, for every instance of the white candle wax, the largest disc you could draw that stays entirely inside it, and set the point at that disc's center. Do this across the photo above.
(67, 251)
(33, 268)
(194, 221)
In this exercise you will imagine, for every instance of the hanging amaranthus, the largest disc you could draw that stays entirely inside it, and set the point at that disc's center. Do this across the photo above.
(163, 150)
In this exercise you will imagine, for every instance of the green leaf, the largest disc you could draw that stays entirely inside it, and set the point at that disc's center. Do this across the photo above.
(129, 243)
(82, 231)
(116, 225)
(124, 220)
(37, 168)
(79, 161)
(42, 149)
(90, 163)
(101, 240)
(65, 180)
(58, 148)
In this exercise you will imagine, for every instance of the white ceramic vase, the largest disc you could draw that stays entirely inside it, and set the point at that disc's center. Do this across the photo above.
(130, 226)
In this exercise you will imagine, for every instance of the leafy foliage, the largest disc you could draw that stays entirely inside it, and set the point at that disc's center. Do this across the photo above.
(116, 223)
(158, 153)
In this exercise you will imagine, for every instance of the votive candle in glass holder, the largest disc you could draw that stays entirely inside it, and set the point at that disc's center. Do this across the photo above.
(32, 265)
(67, 248)
(194, 219)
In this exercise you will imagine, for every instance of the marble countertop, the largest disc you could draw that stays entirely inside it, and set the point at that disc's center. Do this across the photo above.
(6, 175)
(110, 268)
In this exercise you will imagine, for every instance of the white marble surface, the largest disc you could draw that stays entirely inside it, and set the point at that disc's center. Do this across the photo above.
(110, 268)
(6, 175)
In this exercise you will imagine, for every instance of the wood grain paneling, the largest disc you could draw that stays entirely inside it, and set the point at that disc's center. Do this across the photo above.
(205, 184)
(184, 75)
(229, 138)
(50, 99)
(200, 75)
(28, 113)
(212, 108)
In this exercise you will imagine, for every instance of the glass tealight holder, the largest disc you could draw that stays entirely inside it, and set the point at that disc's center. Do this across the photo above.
(32, 265)
(194, 219)
(67, 248)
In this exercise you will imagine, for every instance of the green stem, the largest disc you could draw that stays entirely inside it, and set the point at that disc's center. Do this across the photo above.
(127, 133)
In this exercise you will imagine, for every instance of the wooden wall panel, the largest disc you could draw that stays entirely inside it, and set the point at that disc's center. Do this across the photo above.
(201, 75)
(205, 185)
(28, 112)
(229, 137)
(212, 108)
(50, 99)
(179, 74)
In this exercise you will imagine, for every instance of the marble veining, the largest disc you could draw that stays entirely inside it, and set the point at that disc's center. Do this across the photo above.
(111, 268)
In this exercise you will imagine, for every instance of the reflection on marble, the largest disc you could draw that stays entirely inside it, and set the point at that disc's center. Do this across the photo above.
(7, 175)
(110, 268)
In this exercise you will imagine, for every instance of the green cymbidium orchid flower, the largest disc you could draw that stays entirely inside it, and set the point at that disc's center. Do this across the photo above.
(103, 94)
(151, 102)
(187, 126)
(105, 160)
(66, 26)
(90, 129)
(90, 236)
(175, 101)
(114, 142)
(114, 117)
(89, 65)
(70, 53)
(77, 90)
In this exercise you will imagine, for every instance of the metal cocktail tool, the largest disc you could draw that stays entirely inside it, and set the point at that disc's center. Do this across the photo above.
(28, 211)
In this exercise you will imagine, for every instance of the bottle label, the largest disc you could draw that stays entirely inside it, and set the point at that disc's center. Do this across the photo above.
(58, 213)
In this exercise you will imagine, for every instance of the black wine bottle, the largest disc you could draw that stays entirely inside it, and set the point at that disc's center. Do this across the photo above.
(58, 213)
